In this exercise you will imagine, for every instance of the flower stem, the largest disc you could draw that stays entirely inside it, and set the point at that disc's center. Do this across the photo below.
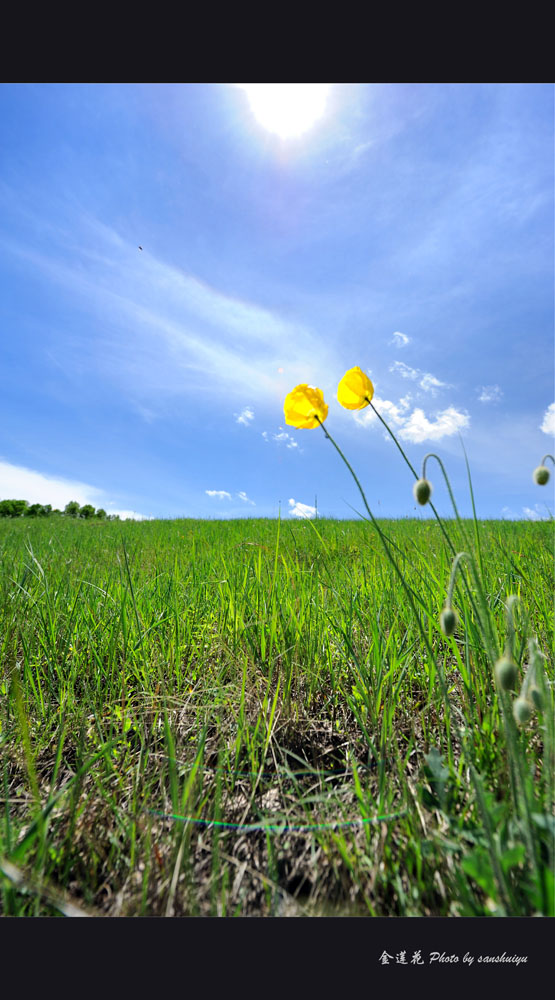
(451, 586)
(416, 476)
(463, 735)
(349, 466)
(490, 638)
(395, 566)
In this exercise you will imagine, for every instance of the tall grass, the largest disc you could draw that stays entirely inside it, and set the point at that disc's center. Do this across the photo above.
(254, 717)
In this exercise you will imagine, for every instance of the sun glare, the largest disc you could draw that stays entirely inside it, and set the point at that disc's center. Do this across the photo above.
(288, 109)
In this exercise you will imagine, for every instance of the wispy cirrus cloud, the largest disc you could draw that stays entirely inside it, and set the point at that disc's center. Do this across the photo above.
(400, 339)
(220, 494)
(548, 423)
(243, 496)
(489, 393)
(426, 381)
(282, 437)
(225, 495)
(160, 331)
(430, 383)
(245, 416)
(404, 370)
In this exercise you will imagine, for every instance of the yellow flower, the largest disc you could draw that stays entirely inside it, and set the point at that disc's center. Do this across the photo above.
(355, 390)
(305, 407)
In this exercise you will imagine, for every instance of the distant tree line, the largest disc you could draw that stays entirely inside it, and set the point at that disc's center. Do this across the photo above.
(22, 508)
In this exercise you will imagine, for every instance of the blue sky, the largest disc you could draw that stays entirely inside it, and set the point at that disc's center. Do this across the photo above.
(409, 231)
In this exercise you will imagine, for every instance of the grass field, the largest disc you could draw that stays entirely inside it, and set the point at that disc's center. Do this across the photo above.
(288, 691)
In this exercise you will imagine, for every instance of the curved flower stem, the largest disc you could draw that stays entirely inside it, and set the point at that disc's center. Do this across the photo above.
(447, 483)
(492, 641)
(451, 586)
(415, 474)
(512, 600)
(481, 597)
(477, 578)
(462, 732)
(392, 560)
(389, 431)
(475, 516)
(516, 760)
(349, 466)
(547, 456)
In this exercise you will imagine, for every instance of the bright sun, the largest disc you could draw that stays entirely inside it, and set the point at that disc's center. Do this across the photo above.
(288, 109)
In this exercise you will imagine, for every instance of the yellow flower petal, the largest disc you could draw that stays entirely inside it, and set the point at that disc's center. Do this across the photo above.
(305, 407)
(355, 390)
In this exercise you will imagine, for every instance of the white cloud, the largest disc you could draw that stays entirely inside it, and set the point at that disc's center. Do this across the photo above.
(404, 370)
(282, 438)
(130, 515)
(286, 438)
(548, 423)
(393, 413)
(245, 416)
(301, 509)
(218, 493)
(418, 428)
(400, 339)
(427, 381)
(20, 483)
(164, 331)
(536, 513)
(430, 384)
(415, 426)
(243, 496)
(490, 394)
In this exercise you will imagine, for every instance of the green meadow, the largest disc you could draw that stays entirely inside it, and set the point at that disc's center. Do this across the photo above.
(264, 717)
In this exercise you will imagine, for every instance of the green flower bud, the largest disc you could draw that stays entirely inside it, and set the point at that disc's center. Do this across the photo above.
(522, 711)
(422, 491)
(506, 673)
(448, 621)
(541, 475)
(535, 695)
